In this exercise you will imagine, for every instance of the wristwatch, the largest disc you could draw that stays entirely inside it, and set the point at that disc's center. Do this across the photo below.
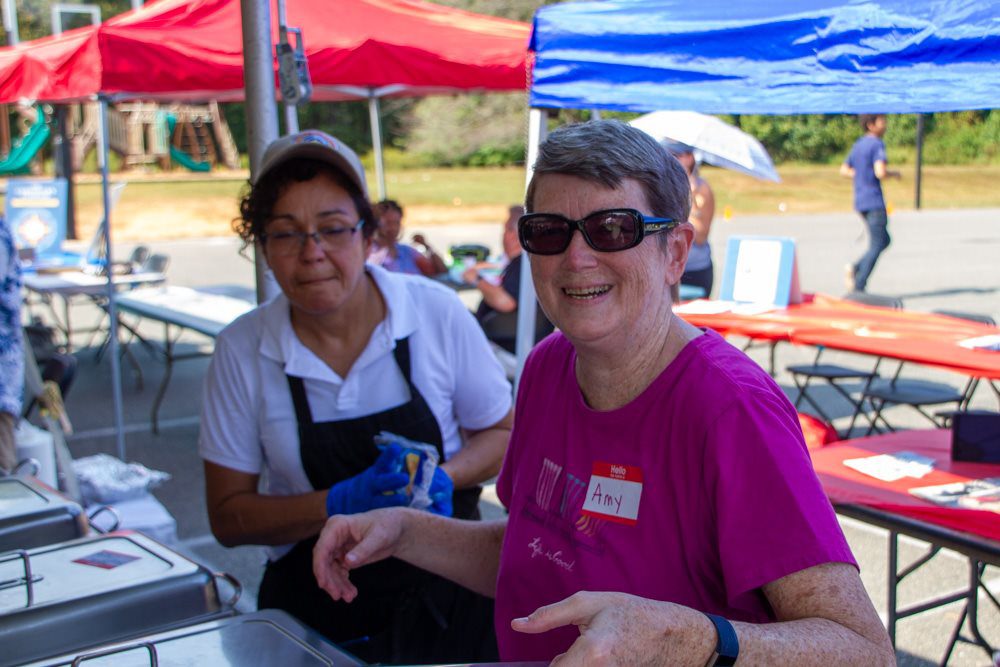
(727, 648)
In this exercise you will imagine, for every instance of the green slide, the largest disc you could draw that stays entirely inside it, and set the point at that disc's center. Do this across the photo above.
(179, 156)
(25, 149)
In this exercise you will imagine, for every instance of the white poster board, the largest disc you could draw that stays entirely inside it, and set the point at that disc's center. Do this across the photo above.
(761, 270)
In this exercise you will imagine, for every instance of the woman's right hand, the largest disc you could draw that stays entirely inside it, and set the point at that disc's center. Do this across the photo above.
(377, 487)
(350, 541)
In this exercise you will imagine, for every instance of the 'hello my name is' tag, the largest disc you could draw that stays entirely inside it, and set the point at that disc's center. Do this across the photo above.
(614, 493)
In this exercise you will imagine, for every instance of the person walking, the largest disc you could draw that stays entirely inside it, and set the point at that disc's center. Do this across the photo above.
(867, 165)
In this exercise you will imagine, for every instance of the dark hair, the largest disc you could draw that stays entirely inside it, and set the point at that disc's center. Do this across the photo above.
(608, 152)
(258, 201)
(387, 205)
(866, 119)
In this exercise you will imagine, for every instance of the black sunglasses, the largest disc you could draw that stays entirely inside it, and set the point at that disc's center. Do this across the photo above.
(610, 230)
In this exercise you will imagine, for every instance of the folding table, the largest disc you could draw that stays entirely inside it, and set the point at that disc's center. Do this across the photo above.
(204, 311)
(69, 285)
(973, 533)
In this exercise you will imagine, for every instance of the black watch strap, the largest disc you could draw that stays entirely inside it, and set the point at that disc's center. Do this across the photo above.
(727, 648)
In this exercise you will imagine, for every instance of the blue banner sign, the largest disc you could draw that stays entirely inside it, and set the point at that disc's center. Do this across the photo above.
(36, 212)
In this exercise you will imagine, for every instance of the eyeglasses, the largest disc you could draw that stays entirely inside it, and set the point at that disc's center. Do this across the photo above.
(610, 230)
(326, 237)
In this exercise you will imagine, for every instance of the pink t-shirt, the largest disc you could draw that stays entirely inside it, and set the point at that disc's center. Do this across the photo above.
(698, 492)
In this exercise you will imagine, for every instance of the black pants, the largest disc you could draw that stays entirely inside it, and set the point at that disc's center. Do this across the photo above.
(703, 278)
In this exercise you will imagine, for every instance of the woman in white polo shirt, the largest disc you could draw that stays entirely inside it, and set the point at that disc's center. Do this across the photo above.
(299, 387)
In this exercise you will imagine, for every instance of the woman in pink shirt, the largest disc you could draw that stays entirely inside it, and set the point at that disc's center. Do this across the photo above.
(662, 506)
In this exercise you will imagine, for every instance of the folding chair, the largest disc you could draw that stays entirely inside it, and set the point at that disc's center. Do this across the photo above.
(921, 395)
(834, 374)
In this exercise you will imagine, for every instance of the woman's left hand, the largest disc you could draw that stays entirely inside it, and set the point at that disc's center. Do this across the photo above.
(622, 629)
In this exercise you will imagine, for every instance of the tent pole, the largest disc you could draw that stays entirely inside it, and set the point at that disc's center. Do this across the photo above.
(261, 109)
(376, 123)
(116, 378)
(920, 160)
(291, 119)
(64, 165)
(537, 126)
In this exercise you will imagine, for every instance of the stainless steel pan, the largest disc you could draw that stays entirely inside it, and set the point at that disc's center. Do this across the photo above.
(64, 597)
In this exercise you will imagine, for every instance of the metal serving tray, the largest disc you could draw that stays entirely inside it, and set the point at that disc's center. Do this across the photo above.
(33, 515)
(265, 639)
(65, 597)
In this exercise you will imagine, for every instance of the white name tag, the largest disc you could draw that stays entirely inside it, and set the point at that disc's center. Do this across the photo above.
(614, 493)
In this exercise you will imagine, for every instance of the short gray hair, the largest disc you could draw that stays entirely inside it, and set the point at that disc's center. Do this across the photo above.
(608, 152)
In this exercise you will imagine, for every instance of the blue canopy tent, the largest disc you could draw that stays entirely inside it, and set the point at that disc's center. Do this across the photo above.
(768, 57)
(761, 57)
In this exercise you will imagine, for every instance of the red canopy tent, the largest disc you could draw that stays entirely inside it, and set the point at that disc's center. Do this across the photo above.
(181, 50)
(192, 49)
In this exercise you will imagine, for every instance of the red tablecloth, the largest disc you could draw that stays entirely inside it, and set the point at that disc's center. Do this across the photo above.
(846, 485)
(924, 338)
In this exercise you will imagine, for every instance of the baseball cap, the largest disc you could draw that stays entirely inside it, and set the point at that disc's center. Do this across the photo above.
(314, 145)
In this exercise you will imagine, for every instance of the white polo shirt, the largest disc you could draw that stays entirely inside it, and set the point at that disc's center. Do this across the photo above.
(248, 420)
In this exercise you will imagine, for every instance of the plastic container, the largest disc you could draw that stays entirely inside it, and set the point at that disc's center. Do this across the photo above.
(36, 443)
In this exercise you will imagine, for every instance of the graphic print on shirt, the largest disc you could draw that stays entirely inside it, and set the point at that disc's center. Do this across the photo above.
(577, 509)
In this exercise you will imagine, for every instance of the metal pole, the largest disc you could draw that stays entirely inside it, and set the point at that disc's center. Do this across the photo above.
(261, 109)
(64, 165)
(376, 123)
(526, 300)
(920, 160)
(291, 119)
(10, 22)
(116, 379)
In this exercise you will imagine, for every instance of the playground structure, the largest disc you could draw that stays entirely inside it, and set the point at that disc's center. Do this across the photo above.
(23, 151)
(194, 136)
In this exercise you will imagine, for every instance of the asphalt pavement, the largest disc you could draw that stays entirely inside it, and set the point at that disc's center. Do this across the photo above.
(939, 259)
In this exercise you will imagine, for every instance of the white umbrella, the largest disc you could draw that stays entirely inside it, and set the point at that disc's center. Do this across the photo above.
(714, 141)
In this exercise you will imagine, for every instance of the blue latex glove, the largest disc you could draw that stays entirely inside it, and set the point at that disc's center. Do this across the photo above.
(371, 489)
(440, 493)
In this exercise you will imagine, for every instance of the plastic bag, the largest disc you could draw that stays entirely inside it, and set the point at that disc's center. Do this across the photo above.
(419, 460)
(105, 479)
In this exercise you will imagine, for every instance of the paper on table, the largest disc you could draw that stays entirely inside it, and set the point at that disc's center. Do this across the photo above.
(991, 342)
(977, 494)
(704, 307)
(892, 467)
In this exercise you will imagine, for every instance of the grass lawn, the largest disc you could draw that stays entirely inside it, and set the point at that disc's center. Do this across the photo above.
(176, 206)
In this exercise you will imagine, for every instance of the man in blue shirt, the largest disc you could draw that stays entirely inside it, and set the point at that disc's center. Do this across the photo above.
(866, 164)
(11, 352)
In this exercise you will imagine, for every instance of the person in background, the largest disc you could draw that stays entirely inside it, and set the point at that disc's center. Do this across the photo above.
(389, 253)
(866, 165)
(699, 271)
(299, 387)
(497, 312)
(11, 348)
(663, 508)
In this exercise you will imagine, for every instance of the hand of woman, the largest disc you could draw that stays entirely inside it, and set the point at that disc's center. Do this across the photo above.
(374, 488)
(350, 541)
(440, 492)
(622, 629)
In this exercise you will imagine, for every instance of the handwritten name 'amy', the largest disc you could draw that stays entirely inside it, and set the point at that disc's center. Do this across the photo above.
(538, 549)
(607, 500)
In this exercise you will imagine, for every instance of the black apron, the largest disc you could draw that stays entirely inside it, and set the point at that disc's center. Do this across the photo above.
(402, 613)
